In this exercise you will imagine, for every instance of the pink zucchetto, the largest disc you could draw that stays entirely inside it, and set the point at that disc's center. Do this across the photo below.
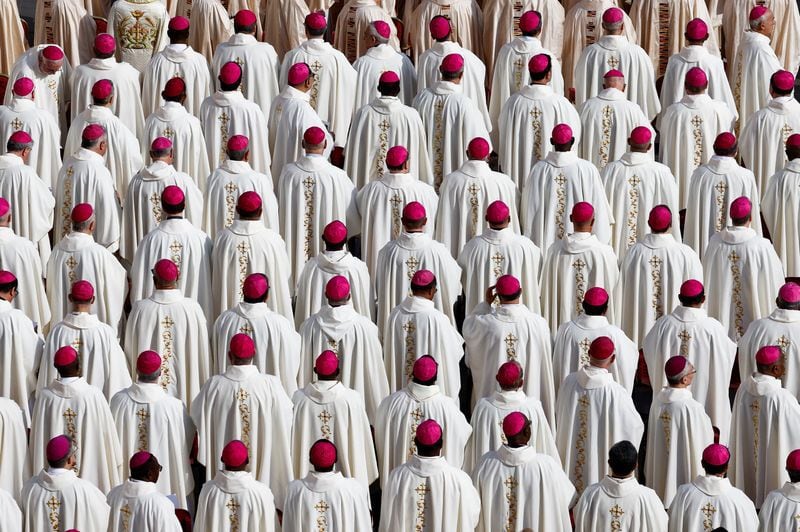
(757, 12)
(478, 148)
(793, 460)
(4, 207)
(238, 143)
(697, 30)
(335, 232)
(139, 459)
(440, 27)
(382, 29)
(613, 73)
(389, 77)
(582, 212)
(676, 366)
(327, 363)
(725, 141)
(82, 291)
(255, 286)
(314, 136)
(508, 374)
(768, 355)
(562, 134)
(716, 455)
(322, 454)
(783, 80)
(338, 288)
(20, 137)
(23, 86)
(422, 278)
(596, 296)
(234, 454)
(396, 156)
(691, 288)
(452, 64)
(6, 277)
(641, 135)
(696, 78)
(425, 368)
(530, 21)
(428, 432)
(601, 348)
(789, 293)
(248, 202)
(179, 23)
(414, 212)
(166, 270)
(316, 21)
(148, 362)
(102, 89)
(613, 15)
(58, 448)
(65, 356)
(53, 53)
(245, 18)
(81, 212)
(298, 73)
(497, 212)
(507, 286)
(660, 218)
(230, 73)
(174, 87)
(741, 208)
(793, 141)
(242, 346)
(93, 132)
(538, 63)
(161, 144)
(514, 423)
(173, 196)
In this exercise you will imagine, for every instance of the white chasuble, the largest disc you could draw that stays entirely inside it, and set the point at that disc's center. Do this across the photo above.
(283, 24)
(571, 350)
(14, 45)
(147, 419)
(19, 256)
(494, 336)
(189, 154)
(75, 408)
(709, 502)
(21, 114)
(398, 417)
(743, 275)
(174, 327)
(465, 18)
(19, 357)
(487, 426)
(354, 338)
(780, 508)
(713, 187)
(383, 123)
(10, 514)
(525, 125)
(593, 413)
(651, 276)
(571, 267)
(617, 52)
(142, 212)
(416, 328)
(751, 69)
(277, 342)
(779, 328)
(15, 469)
(553, 187)
(68, 24)
(176, 61)
(140, 37)
(691, 333)
(379, 59)
(260, 67)
(236, 497)
(352, 36)
(678, 431)
(764, 426)
(139, 505)
(58, 497)
(431, 494)
(328, 410)
(522, 489)
(246, 405)
(399, 260)
(100, 356)
(620, 504)
(329, 498)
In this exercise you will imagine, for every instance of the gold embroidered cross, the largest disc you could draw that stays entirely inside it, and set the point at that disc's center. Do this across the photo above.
(169, 132)
(246, 329)
(70, 172)
(231, 188)
(616, 511)
(409, 327)
(53, 503)
(16, 124)
(70, 415)
(384, 125)
(708, 510)
(787, 131)
(167, 322)
(324, 417)
(176, 247)
(243, 247)
(519, 68)
(321, 506)
(584, 356)
(473, 190)
(697, 121)
(126, 513)
(417, 414)
(412, 263)
(783, 343)
(396, 201)
(634, 180)
(510, 483)
(685, 336)
(511, 346)
(422, 490)
(498, 259)
(232, 505)
(612, 62)
(142, 414)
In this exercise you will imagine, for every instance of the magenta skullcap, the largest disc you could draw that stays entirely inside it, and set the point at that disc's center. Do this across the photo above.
(338, 288)
(741, 208)
(174, 87)
(508, 374)
(676, 367)
(382, 28)
(769, 354)
(335, 232)
(7, 277)
(161, 144)
(172, 196)
(389, 77)
(53, 53)
(316, 21)
(641, 135)
(478, 148)
(230, 73)
(255, 286)
(428, 432)
(613, 15)
(249, 202)
(582, 212)
(102, 89)
(783, 80)
(697, 30)
(314, 136)
(396, 156)
(562, 134)
(322, 454)
(327, 363)
(414, 212)
(793, 141)
(20, 137)
(298, 73)
(696, 78)
(514, 423)
(793, 460)
(58, 448)
(596, 296)
(139, 459)
(234, 454)
(789, 293)
(539, 63)
(716, 455)
(425, 368)
(244, 18)
(23, 86)
(530, 21)
(64, 356)
(81, 212)
(422, 278)
(452, 64)
(440, 27)
(497, 212)
(4, 207)
(82, 290)
(691, 288)
(93, 132)
(166, 270)
(238, 143)
(242, 346)
(758, 11)
(148, 362)
(614, 73)
(725, 141)
(601, 348)
(507, 286)
(660, 218)
(179, 23)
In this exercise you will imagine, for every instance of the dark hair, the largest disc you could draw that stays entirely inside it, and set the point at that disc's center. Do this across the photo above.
(238, 28)
(419, 288)
(17, 146)
(89, 144)
(158, 154)
(794, 476)
(233, 86)
(512, 297)
(175, 98)
(778, 91)
(7, 287)
(622, 457)
(173, 209)
(787, 306)
(102, 101)
(316, 33)
(178, 36)
(726, 153)
(712, 469)
(691, 301)
(103, 55)
(594, 310)
(59, 464)
(450, 76)
(236, 155)
(741, 221)
(389, 89)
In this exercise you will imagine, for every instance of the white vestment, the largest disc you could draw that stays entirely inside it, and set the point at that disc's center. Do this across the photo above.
(139, 505)
(10, 514)
(621, 504)
(22, 114)
(709, 502)
(75, 408)
(176, 61)
(210, 25)
(253, 505)
(283, 24)
(140, 27)
(779, 328)
(15, 469)
(58, 496)
(14, 45)
(230, 180)
(352, 36)
(751, 69)
(174, 327)
(22, 348)
(345, 503)
(592, 414)
(68, 24)
(258, 61)
(466, 24)
(246, 405)
(369, 68)
(19, 256)
(780, 508)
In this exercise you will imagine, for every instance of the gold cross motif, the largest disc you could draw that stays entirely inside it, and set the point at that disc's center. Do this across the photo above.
(417, 414)
(70, 172)
(412, 263)
(321, 506)
(396, 201)
(167, 322)
(511, 346)
(233, 514)
(666, 424)
(536, 124)
(324, 416)
(685, 336)
(561, 204)
(783, 343)
(422, 490)
(53, 515)
(231, 194)
(70, 415)
(708, 510)
(510, 483)
(141, 429)
(633, 209)
(177, 249)
(473, 190)
(736, 272)
(223, 129)
(655, 275)
(169, 132)
(155, 207)
(498, 259)
(16, 124)
(308, 215)
(71, 264)
(126, 517)
(616, 511)
(612, 61)
(246, 329)
(585, 344)
(580, 284)
(519, 68)
(697, 121)
(244, 415)
(411, 346)
(316, 66)
(383, 145)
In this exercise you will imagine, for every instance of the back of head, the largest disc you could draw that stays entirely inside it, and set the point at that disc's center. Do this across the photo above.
(622, 458)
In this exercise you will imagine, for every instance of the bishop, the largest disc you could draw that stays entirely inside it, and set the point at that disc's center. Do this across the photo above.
(780, 505)
(379, 59)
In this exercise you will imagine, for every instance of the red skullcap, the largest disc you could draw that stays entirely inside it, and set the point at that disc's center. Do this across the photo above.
(601, 348)
(249, 202)
(242, 346)
(696, 78)
(7, 277)
(514, 423)
(425, 368)
(508, 374)
(725, 141)
(676, 366)
(161, 144)
(741, 208)
(316, 21)
(174, 87)
(322, 454)
(596, 296)
(173, 196)
(660, 218)
(4, 207)
(452, 64)
(793, 141)
(389, 77)
(440, 27)
(234, 454)
(793, 460)
(641, 135)
(338, 288)
(327, 363)
(769, 354)
(697, 30)
(716, 455)
(691, 288)
(497, 212)
(298, 73)
(613, 15)
(23, 86)
(396, 156)
(428, 432)
(230, 73)
(20, 137)
(166, 270)
(179, 24)
(82, 290)
(422, 278)
(58, 448)
(65, 356)
(790, 293)
(382, 28)
(148, 362)
(255, 286)
(478, 148)
(238, 143)
(757, 12)
(245, 17)
(582, 212)
(539, 63)
(102, 89)
(53, 53)
(334, 233)
(414, 212)
(93, 132)
(613, 73)
(530, 21)
(507, 286)
(139, 459)
(783, 80)
(314, 136)
(562, 134)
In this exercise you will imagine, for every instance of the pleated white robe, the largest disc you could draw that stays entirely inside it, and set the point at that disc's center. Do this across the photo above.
(68, 24)
(779, 328)
(466, 24)
(14, 44)
(620, 502)
(732, 509)
(19, 256)
(15, 469)
(254, 503)
(176, 61)
(283, 24)
(779, 508)
(138, 504)
(80, 503)
(346, 502)
(377, 60)
(22, 114)
(9, 509)
(352, 27)
(258, 61)
(750, 72)
(22, 350)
